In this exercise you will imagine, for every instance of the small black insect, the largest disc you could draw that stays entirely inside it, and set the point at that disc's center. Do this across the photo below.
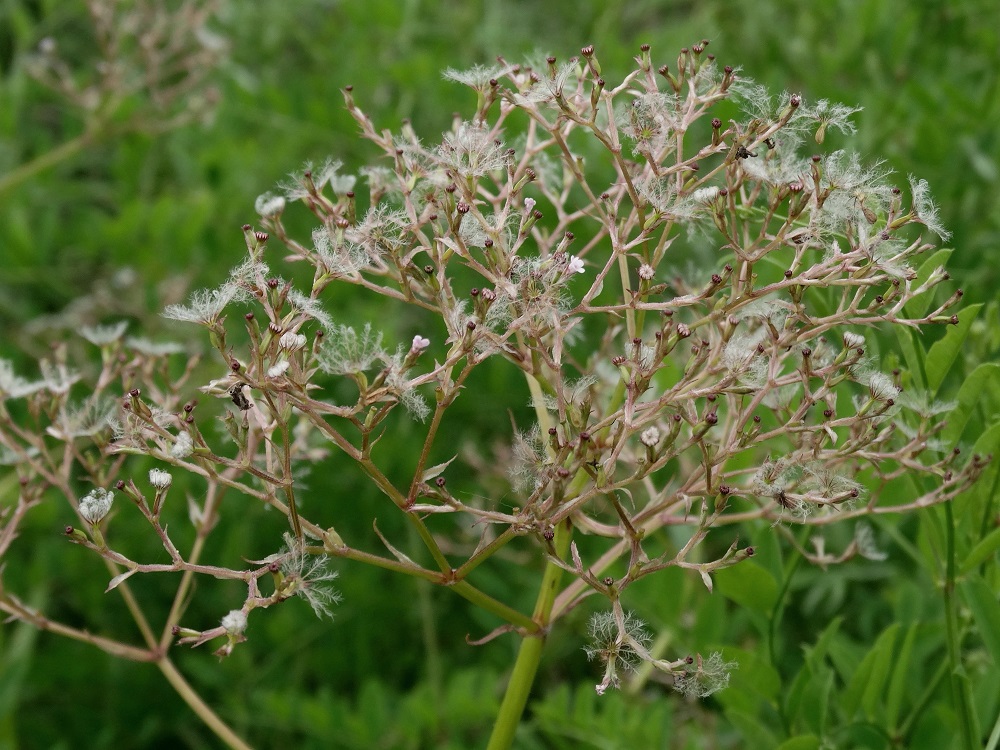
(241, 401)
(769, 142)
(742, 152)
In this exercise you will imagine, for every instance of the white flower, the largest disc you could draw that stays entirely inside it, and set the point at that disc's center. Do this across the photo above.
(153, 348)
(420, 343)
(646, 271)
(709, 676)
(308, 576)
(311, 307)
(104, 335)
(880, 386)
(206, 305)
(160, 479)
(478, 76)
(14, 386)
(529, 205)
(650, 437)
(620, 646)
(235, 622)
(705, 194)
(183, 447)
(95, 506)
(853, 340)
(269, 205)
(575, 265)
(925, 208)
(292, 340)
(345, 351)
(278, 369)
(864, 539)
(472, 151)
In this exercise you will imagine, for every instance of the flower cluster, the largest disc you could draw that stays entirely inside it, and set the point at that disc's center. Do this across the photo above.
(690, 308)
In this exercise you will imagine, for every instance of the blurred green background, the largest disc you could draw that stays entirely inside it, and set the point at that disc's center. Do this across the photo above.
(130, 223)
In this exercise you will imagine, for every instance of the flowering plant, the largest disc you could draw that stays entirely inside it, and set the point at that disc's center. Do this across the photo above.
(692, 304)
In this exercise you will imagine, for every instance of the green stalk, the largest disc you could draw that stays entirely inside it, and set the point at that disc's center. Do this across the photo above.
(959, 686)
(45, 161)
(530, 654)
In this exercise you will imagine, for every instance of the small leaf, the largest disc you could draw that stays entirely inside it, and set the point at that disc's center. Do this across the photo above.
(707, 580)
(979, 554)
(943, 353)
(986, 611)
(435, 470)
(120, 578)
(395, 552)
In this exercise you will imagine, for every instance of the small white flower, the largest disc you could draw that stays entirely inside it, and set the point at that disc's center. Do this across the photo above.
(269, 205)
(308, 576)
(575, 265)
(420, 343)
(864, 538)
(853, 340)
(235, 622)
(311, 307)
(278, 369)
(14, 386)
(621, 646)
(183, 447)
(206, 305)
(880, 386)
(95, 506)
(708, 676)
(705, 194)
(646, 271)
(529, 205)
(292, 340)
(650, 437)
(104, 335)
(160, 479)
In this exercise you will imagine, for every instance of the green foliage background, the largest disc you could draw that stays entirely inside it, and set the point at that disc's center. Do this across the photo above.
(850, 656)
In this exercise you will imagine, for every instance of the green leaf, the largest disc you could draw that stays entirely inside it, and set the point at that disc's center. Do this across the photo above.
(988, 442)
(943, 353)
(865, 688)
(749, 585)
(919, 305)
(815, 655)
(753, 731)
(986, 611)
(802, 742)
(984, 379)
(986, 548)
(900, 676)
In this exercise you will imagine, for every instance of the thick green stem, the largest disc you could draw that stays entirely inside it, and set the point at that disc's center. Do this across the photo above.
(530, 654)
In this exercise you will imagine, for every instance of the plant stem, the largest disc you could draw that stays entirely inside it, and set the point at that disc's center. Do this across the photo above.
(530, 653)
(959, 685)
(49, 159)
(196, 704)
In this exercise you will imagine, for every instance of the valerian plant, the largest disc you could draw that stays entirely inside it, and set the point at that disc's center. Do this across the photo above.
(688, 293)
